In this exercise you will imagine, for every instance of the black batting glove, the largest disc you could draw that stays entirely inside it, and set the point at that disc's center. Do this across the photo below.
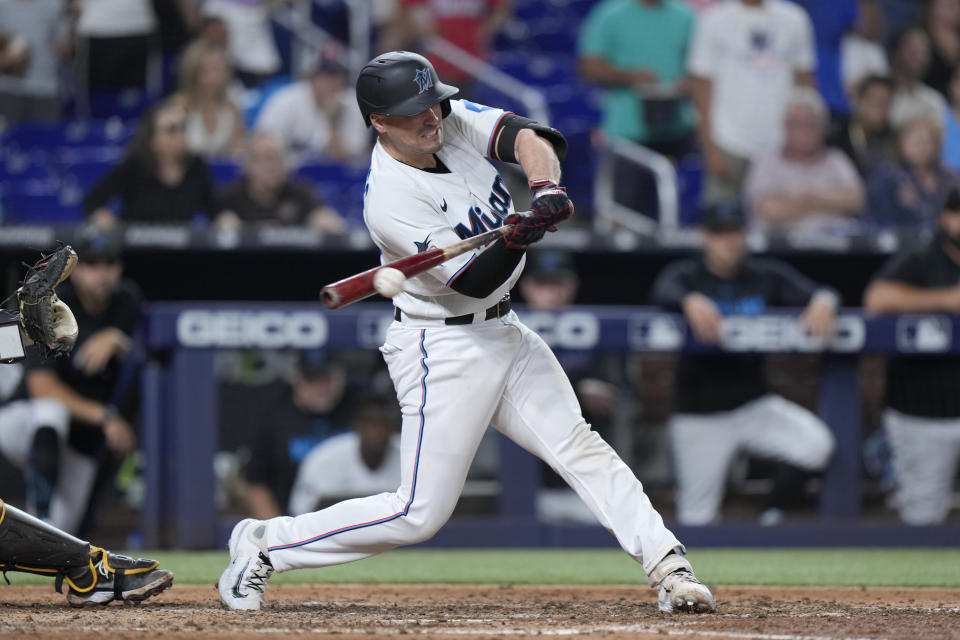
(549, 202)
(526, 230)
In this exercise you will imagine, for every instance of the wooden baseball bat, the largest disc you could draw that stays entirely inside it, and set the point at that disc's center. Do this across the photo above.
(360, 286)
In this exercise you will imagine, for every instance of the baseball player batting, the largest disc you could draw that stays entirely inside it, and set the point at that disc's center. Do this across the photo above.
(94, 576)
(459, 358)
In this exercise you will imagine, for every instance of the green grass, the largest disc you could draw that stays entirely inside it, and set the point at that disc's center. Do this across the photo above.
(797, 567)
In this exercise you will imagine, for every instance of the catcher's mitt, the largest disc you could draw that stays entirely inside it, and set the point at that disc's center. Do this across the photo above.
(47, 320)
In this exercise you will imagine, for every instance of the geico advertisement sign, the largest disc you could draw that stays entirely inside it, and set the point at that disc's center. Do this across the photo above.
(564, 330)
(297, 329)
(783, 333)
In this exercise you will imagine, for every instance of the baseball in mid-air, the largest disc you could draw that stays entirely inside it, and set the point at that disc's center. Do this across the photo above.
(388, 282)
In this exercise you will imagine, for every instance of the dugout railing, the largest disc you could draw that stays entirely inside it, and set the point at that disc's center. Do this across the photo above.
(179, 425)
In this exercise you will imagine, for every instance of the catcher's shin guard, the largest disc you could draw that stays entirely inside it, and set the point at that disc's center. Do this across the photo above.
(30, 545)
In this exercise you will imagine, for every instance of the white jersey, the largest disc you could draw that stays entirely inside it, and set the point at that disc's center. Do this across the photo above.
(408, 210)
(335, 469)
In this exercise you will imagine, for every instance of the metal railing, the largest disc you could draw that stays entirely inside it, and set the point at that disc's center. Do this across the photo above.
(610, 215)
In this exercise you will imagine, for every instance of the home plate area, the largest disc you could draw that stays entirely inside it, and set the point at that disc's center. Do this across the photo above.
(492, 611)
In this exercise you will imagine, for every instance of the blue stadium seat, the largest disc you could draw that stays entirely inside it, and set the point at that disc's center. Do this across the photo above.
(340, 185)
(224, 170)
(40, 202)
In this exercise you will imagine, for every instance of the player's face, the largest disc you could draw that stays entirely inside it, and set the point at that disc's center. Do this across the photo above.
(96, 280)
(724, 250)
(412, 139)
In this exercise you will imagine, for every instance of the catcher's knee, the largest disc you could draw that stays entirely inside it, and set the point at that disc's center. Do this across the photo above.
(47, 412)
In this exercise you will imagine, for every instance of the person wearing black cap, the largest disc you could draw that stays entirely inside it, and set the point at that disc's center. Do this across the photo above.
(723, 406)
(922, 414)
(318, 407)
(107, 309)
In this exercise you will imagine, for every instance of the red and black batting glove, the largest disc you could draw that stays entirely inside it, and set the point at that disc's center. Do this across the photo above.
(549, 202)
(526, 230)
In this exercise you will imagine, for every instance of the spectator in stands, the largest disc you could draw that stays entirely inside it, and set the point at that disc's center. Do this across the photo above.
(942, 24)
(253, 51)
(215, 125)
(31, 34)
(360, 462)
(158, 180)
(213, 31)
(723, 406)
(910, 61)
(922, 415)
(745, 58)
(549, 285)
(645, 94)
(906, 195)
(33, 434)
(114, 42)
(467, 24)
(867, 137)
(951, 125)
(318, 115)
(267, 192)
(862, 52)
(832, 21)
(89, 383)
(805, 185)
(318, 408)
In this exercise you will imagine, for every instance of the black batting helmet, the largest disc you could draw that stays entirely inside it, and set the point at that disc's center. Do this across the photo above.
(401, 83)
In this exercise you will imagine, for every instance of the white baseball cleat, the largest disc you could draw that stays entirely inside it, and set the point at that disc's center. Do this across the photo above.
(679, 589)
(244, 581)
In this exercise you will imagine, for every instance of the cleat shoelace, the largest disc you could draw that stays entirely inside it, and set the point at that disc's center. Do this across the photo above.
(258, 576)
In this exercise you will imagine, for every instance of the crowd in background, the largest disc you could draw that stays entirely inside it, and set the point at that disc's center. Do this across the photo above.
(856, 97)
(820, 116)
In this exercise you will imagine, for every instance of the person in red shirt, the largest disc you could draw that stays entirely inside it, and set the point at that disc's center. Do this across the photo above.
(468, 24)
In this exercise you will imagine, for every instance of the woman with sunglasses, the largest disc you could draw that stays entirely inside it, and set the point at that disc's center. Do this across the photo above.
(158, 180)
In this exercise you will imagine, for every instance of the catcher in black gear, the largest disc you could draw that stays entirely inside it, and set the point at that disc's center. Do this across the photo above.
(93, 575)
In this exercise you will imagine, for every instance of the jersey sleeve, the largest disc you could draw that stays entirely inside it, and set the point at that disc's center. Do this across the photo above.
(673, 284)
(804, 53)
(908, 268)
(477, 123)
(594, 38)
(793, 289)
(702, 56)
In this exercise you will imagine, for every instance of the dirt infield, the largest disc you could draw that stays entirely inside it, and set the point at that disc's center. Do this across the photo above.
(363, 611)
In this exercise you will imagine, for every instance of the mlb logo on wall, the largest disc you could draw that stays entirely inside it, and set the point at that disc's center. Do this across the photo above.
(654, 332)
(924, 334)
(423, 79)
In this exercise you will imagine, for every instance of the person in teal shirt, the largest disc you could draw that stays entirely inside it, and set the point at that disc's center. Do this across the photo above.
(637, 50)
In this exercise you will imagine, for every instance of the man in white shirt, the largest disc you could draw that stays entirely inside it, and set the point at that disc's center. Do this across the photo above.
(362, 462)
(318, 115)
(746, 57)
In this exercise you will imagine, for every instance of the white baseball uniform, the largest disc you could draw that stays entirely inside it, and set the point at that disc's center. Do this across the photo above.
(452, 381)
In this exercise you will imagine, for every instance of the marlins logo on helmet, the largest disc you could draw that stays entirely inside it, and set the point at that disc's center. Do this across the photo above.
(423, 79)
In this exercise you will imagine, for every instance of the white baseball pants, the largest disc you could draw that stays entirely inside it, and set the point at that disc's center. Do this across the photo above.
(926, 452)
(19, 421)
(704, 445)
(452, 382)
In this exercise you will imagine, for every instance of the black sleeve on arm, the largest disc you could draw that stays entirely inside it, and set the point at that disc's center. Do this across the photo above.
(109, 185)
(488, 271)
(505, 137)
(793, 289)
(672, 285)
(906, 268)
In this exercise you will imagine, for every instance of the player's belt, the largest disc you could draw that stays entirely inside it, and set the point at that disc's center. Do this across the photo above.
(498, 310)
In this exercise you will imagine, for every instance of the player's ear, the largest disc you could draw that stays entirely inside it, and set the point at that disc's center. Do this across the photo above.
(377, 121)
